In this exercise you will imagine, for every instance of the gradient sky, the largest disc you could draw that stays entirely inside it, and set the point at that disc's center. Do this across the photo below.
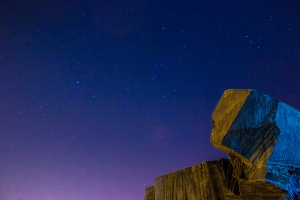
(98, 98)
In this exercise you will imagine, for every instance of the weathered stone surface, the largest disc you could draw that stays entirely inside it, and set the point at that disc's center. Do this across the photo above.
(150, 193)
(185, 184)
(260, 135)
(206, 181)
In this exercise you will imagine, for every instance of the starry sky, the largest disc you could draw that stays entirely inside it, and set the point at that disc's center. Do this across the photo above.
(98, 98)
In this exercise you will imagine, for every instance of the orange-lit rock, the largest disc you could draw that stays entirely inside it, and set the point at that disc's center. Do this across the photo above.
(207, 181)
(150, 193)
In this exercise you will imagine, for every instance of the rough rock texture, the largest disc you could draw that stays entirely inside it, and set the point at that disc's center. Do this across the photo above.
(260, 135)
(150, 193)
(207, 181)
(185, 184)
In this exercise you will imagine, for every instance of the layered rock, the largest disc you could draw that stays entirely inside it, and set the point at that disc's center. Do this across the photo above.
(207, 181)
(150, 193)
(260, 135)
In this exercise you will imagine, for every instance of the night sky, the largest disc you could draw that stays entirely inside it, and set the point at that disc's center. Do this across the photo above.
(98, 98)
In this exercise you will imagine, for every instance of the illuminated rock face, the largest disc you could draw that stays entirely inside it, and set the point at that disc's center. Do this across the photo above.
(206, 182)
(150, 193)
(260, 135)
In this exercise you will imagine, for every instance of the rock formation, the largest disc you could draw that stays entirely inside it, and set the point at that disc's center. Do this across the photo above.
(260, 135)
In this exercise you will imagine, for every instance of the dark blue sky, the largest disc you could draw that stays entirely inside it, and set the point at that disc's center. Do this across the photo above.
(98, 98)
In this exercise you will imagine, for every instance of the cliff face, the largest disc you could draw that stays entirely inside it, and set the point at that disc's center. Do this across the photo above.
(261, 136)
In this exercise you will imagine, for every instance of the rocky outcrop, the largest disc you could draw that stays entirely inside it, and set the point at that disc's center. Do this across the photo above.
(207, 181)
(260, 135)
(150, 193)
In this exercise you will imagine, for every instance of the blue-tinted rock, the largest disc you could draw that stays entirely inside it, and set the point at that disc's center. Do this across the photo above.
(261, 135)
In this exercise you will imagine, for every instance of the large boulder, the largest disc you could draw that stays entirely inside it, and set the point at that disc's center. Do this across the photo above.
(262, 139)
(260, 134)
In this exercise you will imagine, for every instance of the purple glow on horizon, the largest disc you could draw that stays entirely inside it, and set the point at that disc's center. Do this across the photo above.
(99, 98)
